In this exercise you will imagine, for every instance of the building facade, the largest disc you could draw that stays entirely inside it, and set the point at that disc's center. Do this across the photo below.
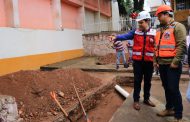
(181, 10)
(39, 32)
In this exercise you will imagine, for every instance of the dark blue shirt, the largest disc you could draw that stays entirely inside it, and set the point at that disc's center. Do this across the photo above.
(127, 36)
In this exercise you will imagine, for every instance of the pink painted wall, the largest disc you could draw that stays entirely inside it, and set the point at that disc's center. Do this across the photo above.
(2, 14)
(105, 7)
(91, 4)
(71, 16)
(74, 2)
(36, 14)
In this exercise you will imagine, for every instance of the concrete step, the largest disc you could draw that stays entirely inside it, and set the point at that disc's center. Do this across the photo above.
(98, 68)
(130, 76)
(126, 113)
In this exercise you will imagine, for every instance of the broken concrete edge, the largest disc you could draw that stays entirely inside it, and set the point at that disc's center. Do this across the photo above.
(47, 68)
(154, 78)
(9, 109)
(51, 68)
(113, 70)
(89, 102)
(106, 70)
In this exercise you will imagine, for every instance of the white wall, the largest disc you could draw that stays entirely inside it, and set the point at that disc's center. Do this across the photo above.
(16, 42)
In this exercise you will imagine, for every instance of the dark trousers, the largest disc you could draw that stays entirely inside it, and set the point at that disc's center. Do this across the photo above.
(170, 80)
(142, 68)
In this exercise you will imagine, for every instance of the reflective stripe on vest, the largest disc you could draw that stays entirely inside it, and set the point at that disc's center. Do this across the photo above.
(139, 32)
(167, 47)
(137, 53)
(149, 54)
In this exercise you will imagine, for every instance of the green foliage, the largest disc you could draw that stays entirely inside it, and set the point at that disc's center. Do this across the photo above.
(138, 5)
(125, 7)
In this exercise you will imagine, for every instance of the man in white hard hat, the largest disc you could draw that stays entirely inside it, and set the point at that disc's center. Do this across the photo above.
(143, 53)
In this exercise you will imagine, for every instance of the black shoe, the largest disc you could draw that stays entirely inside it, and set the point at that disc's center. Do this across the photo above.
(149, 103)
(117, 67)
(126, 65)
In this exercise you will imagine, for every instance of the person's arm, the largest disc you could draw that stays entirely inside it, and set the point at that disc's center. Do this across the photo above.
(188, 53)
(128, 36)
(154, 57)
(180, 37)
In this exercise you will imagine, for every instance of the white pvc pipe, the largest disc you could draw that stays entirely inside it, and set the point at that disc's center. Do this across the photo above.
(121, 91)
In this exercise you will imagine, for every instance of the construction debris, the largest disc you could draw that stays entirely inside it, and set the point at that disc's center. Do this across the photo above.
(8, 109)
(31, 90)
(84, 112)
(53, 95)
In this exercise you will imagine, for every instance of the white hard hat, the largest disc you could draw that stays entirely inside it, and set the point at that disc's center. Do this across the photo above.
(143, 15)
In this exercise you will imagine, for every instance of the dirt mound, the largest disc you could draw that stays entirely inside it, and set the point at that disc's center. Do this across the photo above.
(109, 59)
(32, 89)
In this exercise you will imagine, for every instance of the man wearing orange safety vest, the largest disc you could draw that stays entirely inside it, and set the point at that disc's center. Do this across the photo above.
(142, 56)
(170, 48)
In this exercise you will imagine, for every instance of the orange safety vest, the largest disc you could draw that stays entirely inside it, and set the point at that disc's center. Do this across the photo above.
(165, 43)
(144, 48)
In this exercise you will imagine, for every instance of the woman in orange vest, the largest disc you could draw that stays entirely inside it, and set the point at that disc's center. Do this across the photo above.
(143, 52)
(170, 48)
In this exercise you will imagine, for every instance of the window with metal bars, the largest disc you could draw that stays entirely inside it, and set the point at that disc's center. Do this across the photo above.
(182, 4)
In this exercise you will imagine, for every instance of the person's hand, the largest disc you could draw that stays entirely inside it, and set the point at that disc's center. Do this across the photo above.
(112, 47)
(173, 66)
(111, 38)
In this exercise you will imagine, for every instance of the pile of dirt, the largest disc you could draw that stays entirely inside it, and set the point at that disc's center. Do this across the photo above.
(109, 59)
(32, 90)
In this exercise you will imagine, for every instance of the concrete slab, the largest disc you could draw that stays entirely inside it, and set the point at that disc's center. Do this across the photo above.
(127, 76)
(89, 64)
(158, 92)
(126, 113)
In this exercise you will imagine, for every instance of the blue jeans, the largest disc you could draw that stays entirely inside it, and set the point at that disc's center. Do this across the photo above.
(170, 80)
(121, 54)
(130, 54)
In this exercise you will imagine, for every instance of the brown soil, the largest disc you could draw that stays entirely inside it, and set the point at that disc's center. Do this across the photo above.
(31, 90)
(109, 59)
(106, 107)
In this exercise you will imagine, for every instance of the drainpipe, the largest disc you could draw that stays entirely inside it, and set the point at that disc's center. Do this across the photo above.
(84, 17)
(16, 21)
(56, 5)
(122, 91)
(99, 15)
